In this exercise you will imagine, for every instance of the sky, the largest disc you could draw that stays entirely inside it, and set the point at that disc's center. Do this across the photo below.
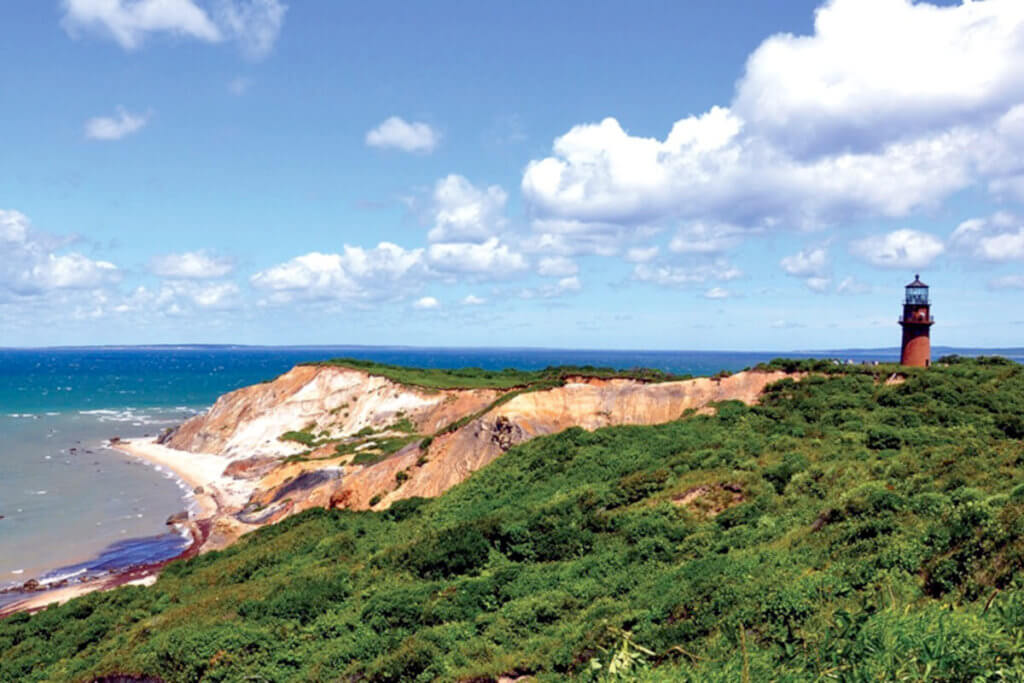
(729, 175)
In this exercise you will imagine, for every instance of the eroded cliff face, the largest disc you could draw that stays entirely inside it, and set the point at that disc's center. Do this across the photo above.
(365, 434)
(328, 401)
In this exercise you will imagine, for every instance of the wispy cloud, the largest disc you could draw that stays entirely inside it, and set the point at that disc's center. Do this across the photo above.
(239, 86)
(253, 24)
(122, 124)
(898, 249)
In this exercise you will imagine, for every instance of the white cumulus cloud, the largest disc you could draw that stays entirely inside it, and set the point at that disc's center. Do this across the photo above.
(806, 263)
(34, 263)
(192, 265)
(473, 300)
(182, 297)
(491, 259)
(129, 22)
(426, 303)
(879, 70)
(889, 107)
(460, 211)
(898, 249)
(397, 133)
(386, 271)
(115, 127)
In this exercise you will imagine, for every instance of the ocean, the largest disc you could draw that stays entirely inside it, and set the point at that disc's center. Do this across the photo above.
(69, 507)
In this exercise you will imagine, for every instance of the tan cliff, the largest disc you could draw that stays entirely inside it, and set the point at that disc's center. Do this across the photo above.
(366, 437)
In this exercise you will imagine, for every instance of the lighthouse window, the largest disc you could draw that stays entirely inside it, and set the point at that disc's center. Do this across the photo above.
(917, 295)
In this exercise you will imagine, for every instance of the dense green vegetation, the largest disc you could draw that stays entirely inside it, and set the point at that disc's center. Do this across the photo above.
(475, 378)
(844, 529)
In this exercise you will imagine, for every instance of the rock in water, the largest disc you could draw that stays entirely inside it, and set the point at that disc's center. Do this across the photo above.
(177, 518)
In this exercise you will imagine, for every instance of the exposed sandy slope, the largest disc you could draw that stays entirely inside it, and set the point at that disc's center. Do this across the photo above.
(338, 401)
(587, 403)
(240, 434)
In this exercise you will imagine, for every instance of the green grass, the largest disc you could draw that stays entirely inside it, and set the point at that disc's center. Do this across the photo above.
(878, 534)
(382, 448)
(303, 437)
(475, 378)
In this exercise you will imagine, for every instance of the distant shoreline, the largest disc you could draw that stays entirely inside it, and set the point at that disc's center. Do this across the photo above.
(829, 352)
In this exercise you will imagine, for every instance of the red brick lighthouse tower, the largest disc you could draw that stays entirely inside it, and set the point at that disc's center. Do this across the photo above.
(916, 322)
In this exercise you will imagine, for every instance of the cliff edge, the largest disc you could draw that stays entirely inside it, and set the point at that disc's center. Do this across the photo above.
(328, 435)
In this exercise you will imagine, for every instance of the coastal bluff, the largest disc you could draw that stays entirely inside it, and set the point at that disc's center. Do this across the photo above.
(328, 435)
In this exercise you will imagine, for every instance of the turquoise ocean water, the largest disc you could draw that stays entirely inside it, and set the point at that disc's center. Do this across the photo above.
(71, 507)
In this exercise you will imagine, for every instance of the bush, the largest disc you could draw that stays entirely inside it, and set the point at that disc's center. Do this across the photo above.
(301, 600)
(450, 552)
(883, 438)
(1012, 425)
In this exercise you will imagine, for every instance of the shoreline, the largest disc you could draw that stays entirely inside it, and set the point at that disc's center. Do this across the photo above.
(137, 575)
(202, 472)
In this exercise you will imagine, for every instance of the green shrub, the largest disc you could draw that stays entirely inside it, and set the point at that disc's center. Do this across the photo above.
(883, 438)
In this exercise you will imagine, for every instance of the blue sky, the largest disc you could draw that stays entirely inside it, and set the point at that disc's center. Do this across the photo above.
(728, 175)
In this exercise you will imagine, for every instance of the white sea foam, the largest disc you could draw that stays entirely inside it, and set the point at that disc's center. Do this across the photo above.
(137, 418)
(60, 577)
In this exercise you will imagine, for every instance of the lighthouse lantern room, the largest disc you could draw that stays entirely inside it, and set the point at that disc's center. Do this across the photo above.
(916, 321)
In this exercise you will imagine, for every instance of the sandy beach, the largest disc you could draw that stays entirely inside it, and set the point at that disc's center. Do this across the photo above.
(145, 575)
(202, 471)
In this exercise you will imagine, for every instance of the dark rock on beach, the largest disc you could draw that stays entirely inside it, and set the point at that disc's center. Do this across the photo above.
(178, 518)
(166, 435)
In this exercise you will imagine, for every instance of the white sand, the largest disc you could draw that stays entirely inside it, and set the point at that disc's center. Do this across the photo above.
(196, 469)
(36, 601)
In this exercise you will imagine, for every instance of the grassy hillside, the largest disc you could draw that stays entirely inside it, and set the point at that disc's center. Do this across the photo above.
(844, 529)
(476, 378)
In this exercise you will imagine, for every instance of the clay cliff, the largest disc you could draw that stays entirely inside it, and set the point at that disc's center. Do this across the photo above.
(341, 437)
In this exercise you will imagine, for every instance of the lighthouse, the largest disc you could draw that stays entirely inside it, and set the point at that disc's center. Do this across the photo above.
(916, 321)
